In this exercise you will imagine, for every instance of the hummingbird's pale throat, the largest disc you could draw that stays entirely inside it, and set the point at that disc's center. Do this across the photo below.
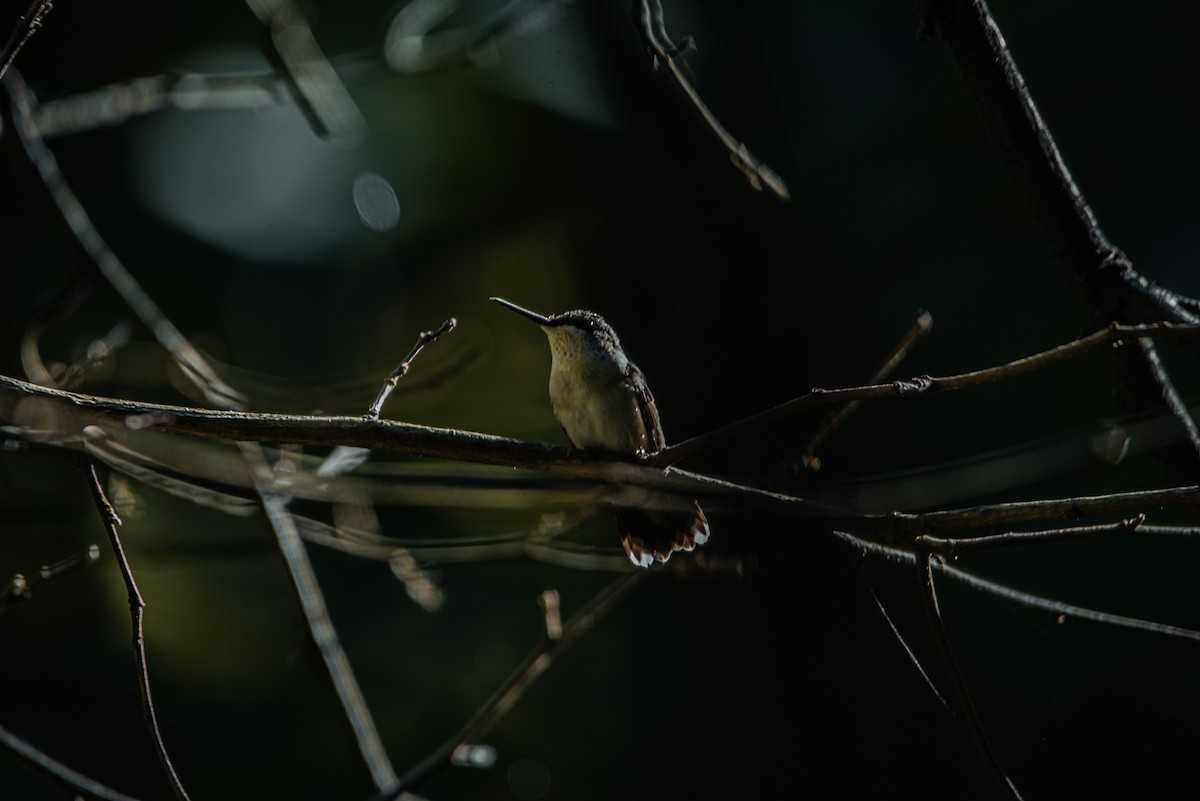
(601, 400)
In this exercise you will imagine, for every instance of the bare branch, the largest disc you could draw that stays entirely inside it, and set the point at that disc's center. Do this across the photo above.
(1063, 610)
(1105, 281)
(834, 419)
(1169, 531)
(137, 605)
(1115, 334)
(30, 23)
(21, 589)
(389, 383)
(1170, 395)
(953, 546)
(1122, 503)
(57, 771)
(80, 410)
(1059, 608)
(108, 266)
(511, 691)
(912, 657)
(200, 374)
(316, 85)
(929, 595)
(648, 18)
(51, 414)
(40, 412)
(120, 102)
(324, 635)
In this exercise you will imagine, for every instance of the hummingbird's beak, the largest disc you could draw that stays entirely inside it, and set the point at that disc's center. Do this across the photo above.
(532, 315)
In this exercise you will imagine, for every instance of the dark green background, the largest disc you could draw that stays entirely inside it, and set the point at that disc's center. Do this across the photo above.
(571, 176)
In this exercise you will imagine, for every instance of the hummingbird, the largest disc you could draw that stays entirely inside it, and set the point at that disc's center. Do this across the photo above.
(602, 402)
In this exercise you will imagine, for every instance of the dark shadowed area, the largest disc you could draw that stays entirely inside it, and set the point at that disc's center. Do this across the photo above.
(561, 172)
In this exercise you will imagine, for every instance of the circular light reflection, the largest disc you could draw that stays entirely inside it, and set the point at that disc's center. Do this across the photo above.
(375, 201)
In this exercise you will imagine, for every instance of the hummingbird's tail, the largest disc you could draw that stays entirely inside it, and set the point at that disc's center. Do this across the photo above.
(651, 536)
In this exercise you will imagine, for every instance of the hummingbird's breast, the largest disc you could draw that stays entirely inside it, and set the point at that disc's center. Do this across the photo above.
(591, 393)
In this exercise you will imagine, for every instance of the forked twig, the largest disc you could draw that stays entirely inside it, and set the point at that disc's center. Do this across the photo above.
(389, 383)
(1107, 285)
(108, 515)
(30, 23)
(967, 706)
(648, 18)
(835, 417)
(1061, 609)
(1113, 334)
(1020, 597)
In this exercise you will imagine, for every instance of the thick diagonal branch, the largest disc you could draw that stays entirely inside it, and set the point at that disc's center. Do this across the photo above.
(1107, 285)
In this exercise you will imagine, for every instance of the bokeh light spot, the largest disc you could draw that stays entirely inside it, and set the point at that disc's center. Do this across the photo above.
(376, 202)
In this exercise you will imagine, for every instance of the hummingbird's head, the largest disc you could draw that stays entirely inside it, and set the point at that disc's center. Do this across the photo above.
(572, 333)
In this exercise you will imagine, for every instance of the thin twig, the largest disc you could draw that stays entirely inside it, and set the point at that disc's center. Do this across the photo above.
(108, 516)
(834, 418)
(1122, 503)
(929, 595)
(1020, 597)
(389, 383)
(954, 546)
(30, 23)
(58, 772)
(534, 665)
(1114, 334)
(1059, 608)
(664, 53)
(21, 589)
(912, 657)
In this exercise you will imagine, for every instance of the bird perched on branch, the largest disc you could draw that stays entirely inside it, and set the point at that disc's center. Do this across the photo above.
(601, 400)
